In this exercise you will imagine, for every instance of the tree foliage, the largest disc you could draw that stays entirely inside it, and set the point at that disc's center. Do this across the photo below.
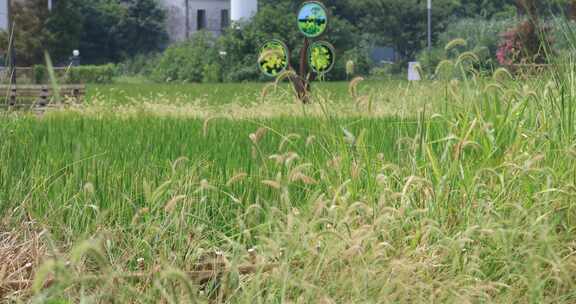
(279, 21)
(188, 61)
(103, 30)
(114, 30)
(30, 36)
(354, 27)
(65, 24)
(99, 42)
(142, 28)
(401, 23)
(487, 9)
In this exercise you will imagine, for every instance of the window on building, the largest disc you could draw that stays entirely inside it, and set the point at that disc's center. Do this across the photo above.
(224, 19)
(201, 19)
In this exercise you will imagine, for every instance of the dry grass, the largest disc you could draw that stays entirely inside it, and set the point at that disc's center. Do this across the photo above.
(361, 106)
(22, 250)
(468, 201)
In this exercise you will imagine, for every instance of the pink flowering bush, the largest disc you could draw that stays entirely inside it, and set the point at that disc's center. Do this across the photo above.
(524, 44)
(509, 49)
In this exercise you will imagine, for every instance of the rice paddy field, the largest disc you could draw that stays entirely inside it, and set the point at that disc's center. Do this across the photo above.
(454, 191)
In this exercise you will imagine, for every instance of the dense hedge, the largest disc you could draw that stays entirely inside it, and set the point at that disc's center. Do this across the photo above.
(101, 74)
(195, 60)
(40, 74)
(91, 74)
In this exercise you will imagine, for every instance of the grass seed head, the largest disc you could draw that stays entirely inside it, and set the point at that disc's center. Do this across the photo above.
(236, 178)
(470, 57)
(288, 139)
(456, 43)
(301, 177)
(172, 203)
(502, 75)
(205, 126)
(89, 188)
(444, 69)
(257, 136)
(353, 87)
(310, 140)
(272, 184)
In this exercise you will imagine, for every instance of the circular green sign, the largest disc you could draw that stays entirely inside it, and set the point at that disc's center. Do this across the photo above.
(273, 58)
(321, 57)
(312, 19)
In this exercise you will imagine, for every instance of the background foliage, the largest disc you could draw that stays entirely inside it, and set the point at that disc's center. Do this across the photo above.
(103, 30)
(132, 32)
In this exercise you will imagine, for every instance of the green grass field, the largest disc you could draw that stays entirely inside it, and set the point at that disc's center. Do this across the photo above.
(437, 192)
(214, 94)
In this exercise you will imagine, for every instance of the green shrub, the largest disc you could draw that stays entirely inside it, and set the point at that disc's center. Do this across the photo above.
(40, 73)
(57, 301)
(389, 71)
(91, 74)
(275, 20)
(481, 37)
(212, 73)
(564, 34)
(477, 32)
(244, 73)
(359, 56)
(142, 64)
(186, 61)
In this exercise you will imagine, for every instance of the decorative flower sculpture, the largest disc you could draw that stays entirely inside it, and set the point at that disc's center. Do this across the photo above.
(273, 58)
(316, 58)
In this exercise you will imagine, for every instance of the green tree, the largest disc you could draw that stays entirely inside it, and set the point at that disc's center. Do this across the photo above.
(242, 44)
(142, 29)
(544, 8)
(486, 9)
(402, 23)
(65, 23)
(30, 35)
(193, 60)
(99, 39)
(279, 21)
(115, 30)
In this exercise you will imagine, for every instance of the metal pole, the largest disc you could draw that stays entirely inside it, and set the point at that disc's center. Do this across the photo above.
(12, 42)
(187, 4)
(429, 26)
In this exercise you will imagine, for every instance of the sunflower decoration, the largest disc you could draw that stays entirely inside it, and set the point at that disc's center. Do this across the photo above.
(316, 57)
(321, 57)
(273, 58)
(312, 19)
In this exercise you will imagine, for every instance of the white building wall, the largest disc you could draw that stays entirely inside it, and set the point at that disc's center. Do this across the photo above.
(243, 9)
(3, 15)
(4, 19)
(176, 19)
(213, 14)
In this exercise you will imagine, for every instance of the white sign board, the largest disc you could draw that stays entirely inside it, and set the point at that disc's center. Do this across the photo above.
(413, 74)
